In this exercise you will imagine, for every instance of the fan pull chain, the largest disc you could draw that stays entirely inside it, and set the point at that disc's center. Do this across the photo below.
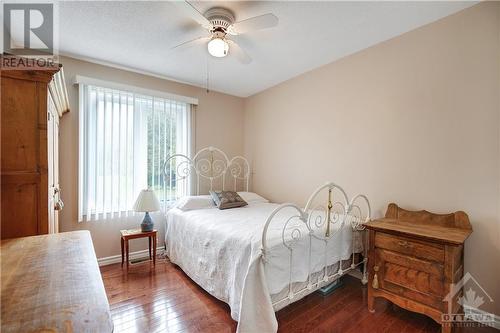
(208, 76)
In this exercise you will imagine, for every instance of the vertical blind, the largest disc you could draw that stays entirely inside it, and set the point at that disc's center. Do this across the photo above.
(124, 141)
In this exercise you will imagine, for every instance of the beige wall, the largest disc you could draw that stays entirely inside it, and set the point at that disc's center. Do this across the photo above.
(219, 122)
(414, 120)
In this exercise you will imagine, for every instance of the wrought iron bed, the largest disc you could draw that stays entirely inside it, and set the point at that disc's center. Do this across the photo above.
(315, 223)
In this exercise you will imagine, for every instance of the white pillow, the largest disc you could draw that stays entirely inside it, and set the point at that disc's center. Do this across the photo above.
(252, 197)
(195, 202)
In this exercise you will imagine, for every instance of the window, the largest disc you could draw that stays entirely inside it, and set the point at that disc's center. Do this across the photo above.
(125, 138)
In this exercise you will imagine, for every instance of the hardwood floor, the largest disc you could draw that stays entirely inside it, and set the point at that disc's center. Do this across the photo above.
(164, 299)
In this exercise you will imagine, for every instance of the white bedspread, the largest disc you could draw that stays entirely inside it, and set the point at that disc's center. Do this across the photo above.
(221, 250)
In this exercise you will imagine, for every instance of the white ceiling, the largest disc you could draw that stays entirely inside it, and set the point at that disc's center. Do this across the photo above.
(140, 35)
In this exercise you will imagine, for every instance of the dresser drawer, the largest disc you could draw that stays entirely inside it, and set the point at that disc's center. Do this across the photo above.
(411, 247)
(409, 273)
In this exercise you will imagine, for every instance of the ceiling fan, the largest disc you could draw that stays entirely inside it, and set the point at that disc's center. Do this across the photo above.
(220, 24)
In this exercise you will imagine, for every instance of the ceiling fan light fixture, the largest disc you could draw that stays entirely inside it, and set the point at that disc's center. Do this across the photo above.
(218, 47)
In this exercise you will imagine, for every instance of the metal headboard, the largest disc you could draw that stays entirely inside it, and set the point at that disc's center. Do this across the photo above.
(210, 169)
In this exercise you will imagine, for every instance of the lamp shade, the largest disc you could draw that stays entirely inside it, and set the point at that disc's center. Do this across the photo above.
(147, 202)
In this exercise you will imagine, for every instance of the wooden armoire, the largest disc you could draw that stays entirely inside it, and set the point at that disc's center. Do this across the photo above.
(32, 101)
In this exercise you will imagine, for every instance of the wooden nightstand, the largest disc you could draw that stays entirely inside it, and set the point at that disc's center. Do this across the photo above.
(414, 257)
(137, 233)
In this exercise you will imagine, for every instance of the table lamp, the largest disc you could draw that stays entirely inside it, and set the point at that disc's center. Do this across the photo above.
(147, 202)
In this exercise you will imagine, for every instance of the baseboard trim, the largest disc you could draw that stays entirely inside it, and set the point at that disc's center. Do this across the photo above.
(132, 256)
(474, 311)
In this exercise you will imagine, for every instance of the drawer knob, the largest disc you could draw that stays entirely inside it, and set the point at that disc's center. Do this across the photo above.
(375, 277)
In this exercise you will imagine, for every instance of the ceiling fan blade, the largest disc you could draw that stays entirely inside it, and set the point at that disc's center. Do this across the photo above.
(190, 43)
(255, 23)
(193, 13)
(238, 52)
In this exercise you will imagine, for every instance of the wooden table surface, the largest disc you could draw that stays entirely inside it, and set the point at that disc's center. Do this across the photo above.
(137, 233)
(52, 283)
(420, 230)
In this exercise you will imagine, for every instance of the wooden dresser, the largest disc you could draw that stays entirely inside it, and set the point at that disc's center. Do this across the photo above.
(31, 103)
(413, 258)
(52, 283)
